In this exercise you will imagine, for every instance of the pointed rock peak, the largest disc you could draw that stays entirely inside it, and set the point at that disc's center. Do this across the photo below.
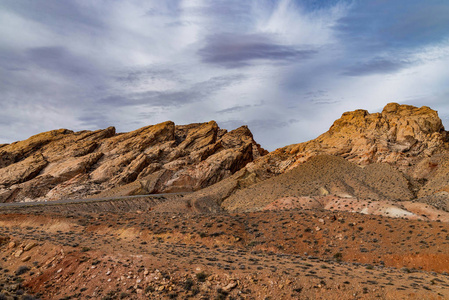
(358, 113)
(396, 108)
(111, 130)
(156, 127)
(392, 107)
(242, 130)
(47, 136)
(36, 141)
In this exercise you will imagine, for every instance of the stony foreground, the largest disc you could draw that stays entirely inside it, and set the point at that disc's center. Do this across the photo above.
(291, 254)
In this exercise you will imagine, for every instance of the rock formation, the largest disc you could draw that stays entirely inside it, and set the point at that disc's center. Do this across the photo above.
(401, 135)
(399, 154)
(397, 134)
(154, 159)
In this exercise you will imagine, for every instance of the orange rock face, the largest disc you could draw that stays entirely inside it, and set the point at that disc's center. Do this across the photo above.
(399, 154)
(394, 135)
(401, 135)
(154, 159)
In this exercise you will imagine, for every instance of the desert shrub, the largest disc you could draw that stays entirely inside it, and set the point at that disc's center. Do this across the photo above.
(201, 276)
(123, 295)
(221, 294)
(188, 284)
(253, 243)
(338, 256)
(22, 270)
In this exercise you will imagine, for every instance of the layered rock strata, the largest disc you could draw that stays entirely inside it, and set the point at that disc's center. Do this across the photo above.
(404, 146)
(154, 159)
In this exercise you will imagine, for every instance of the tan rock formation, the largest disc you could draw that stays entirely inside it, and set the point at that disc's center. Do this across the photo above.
(154, 159)
(402, 150)
(401, 135)
(394, 135)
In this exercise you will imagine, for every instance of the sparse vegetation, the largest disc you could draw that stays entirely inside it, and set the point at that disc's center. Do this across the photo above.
(201, 276)
(22, 270)
(299, 247)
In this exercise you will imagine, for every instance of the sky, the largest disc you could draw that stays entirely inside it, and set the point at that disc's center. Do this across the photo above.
(285, 68)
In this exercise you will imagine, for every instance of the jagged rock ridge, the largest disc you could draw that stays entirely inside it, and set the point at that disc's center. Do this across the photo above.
(403, 142)
(154, 159)
(395, 135)
(401, 135)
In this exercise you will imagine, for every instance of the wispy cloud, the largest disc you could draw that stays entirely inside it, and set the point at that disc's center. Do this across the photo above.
(176, 97)
(376, 66)
(235, 51)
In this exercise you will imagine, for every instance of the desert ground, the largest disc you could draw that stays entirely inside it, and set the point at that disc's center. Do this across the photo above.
(269, 254)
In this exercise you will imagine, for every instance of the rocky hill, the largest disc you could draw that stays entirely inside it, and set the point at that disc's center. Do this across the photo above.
(399, 154)
(323, 175)
(400, 135)
(155, 159)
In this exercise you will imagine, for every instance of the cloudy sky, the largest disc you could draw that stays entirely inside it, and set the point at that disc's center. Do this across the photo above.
(285, 68)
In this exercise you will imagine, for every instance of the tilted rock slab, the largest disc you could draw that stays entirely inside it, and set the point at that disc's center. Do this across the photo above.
(155, 159)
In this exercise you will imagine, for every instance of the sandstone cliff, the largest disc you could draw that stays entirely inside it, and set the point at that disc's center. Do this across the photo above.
(398, 154)
(397, 134)
(401, 135)
(154, 159)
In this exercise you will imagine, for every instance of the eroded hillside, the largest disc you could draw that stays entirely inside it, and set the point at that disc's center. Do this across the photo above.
(154, 159)
(394, 156)
(287, 254)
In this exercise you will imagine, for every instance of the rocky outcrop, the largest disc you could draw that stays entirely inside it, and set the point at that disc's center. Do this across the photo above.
(154, 159)
(407, 145)
(401, 135)
(402, 151)
(395, 135)
(411, 139)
